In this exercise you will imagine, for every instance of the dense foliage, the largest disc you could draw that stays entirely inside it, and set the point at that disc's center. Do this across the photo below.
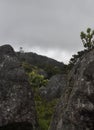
(37, 80)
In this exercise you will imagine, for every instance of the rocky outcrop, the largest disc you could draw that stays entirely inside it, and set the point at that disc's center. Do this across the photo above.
(54, 88)
(17, 108)
(75, 111)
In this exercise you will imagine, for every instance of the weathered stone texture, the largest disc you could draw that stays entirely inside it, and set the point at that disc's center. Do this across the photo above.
(55, 87)
(75, 111)
(16, 97)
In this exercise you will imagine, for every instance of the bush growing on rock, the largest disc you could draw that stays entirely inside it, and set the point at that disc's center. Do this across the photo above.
(75, 58)
(87, 38)
(88, 42)
(37, 80)
(44, 109)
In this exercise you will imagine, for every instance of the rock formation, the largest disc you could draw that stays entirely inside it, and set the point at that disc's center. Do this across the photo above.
(17, 108)
(55, 87)
(75, 111)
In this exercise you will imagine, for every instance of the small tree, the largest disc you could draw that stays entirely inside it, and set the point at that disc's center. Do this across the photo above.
(21, 50)
(87, 38)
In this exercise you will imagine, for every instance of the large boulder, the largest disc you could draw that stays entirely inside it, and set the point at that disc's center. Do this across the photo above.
(17, 107)
(54, 88)
(75, 111)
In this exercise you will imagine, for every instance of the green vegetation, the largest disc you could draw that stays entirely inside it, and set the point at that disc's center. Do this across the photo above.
(52, 70)
(44, 109)
(75, 58)
(88, 43)
(28, 68)
(87, 38)
(37, 80)
(32, 67)
(49, 65)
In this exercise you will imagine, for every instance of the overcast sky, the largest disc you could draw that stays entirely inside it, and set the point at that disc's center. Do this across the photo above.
(47, 27)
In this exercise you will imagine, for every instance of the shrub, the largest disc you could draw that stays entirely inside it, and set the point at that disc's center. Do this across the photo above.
(44, 109)
(37, 80)
(87, 38)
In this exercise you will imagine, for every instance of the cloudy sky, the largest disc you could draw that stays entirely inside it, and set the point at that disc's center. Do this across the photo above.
(47, 27)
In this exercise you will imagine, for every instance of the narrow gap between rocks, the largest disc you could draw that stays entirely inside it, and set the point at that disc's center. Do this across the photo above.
(17, 126)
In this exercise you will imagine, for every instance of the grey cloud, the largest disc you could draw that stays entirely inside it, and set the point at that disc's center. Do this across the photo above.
(49, 24)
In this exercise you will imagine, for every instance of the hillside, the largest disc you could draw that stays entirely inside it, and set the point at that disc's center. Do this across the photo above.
(49, 65)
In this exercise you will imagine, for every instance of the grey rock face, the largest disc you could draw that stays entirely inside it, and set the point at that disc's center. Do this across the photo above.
(16, 97)
(55, 87)
(75, 111)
